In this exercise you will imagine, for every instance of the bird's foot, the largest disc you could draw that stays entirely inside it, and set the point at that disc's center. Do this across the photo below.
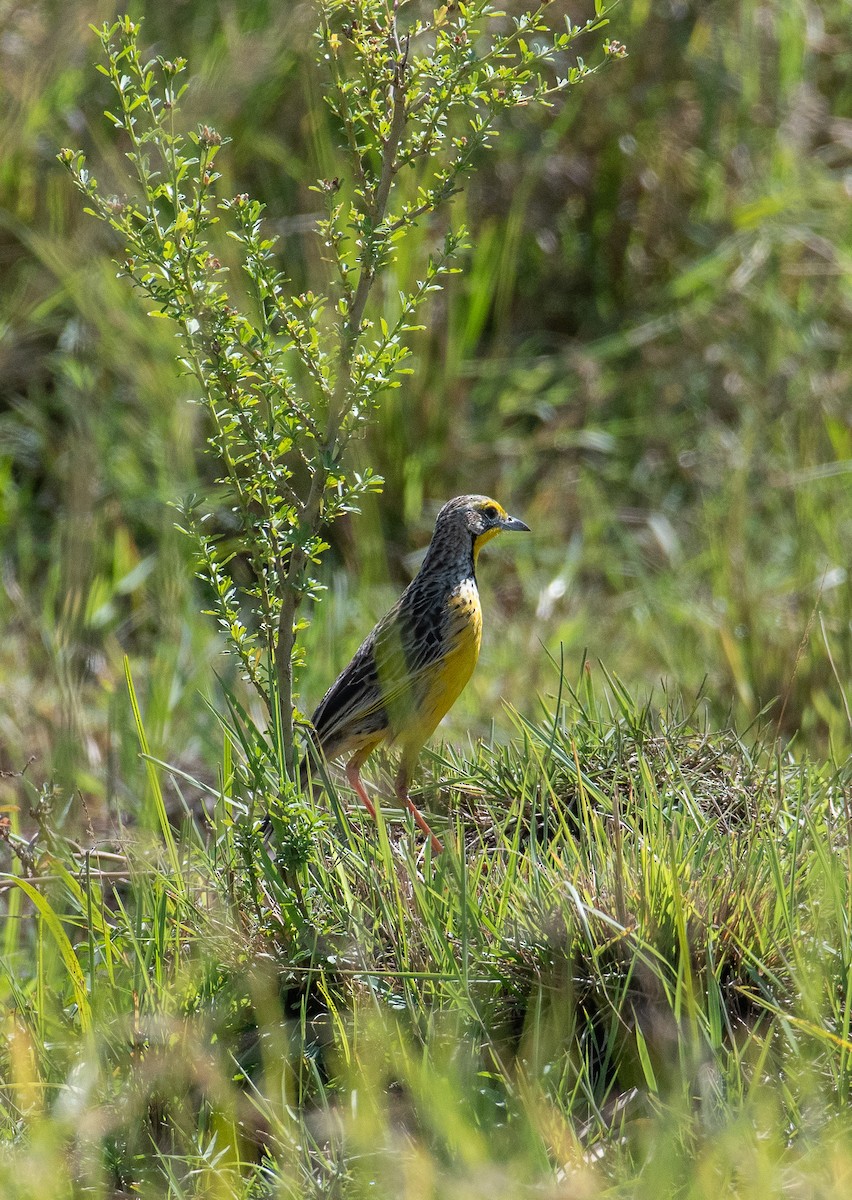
(419, 819)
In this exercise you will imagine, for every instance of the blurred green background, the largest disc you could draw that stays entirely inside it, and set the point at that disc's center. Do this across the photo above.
(647, 357)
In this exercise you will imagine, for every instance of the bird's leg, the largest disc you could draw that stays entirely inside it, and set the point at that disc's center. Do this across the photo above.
(353, 774)
(401, 788)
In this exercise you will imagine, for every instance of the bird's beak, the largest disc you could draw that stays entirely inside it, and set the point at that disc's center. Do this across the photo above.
(512, 523)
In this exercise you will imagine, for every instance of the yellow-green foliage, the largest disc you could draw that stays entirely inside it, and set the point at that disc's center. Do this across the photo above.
(627, 975)
(630, 976)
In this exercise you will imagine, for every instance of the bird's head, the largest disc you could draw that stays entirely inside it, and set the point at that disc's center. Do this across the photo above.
(478, 518)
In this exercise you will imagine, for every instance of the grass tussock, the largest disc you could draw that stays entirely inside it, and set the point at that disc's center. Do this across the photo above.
(628, 974)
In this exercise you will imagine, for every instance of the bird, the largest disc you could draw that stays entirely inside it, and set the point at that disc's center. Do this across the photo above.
(410, 670)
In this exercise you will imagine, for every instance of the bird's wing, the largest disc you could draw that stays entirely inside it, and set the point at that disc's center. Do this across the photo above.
(352, 698)
(382, 683)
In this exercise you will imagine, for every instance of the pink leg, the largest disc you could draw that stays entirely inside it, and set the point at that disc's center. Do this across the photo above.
(353, 774)
(401, 788)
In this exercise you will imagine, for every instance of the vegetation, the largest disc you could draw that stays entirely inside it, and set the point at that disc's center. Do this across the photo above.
(629, 973)
(628, 976)
(289, 385)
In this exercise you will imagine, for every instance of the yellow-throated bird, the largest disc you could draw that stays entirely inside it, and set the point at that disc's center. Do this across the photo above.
(412, 668)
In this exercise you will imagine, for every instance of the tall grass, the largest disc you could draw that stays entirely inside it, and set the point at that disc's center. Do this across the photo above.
(629, 974)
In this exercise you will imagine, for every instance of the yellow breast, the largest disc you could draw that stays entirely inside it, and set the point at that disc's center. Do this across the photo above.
(464, 631)
(455, 667)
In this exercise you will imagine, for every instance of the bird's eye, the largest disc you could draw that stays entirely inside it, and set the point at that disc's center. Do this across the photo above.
(490, 512)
